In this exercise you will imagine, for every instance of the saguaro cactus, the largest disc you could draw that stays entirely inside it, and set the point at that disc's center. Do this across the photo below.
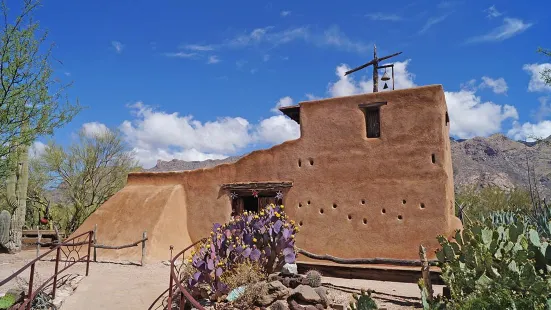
(5, 219)
(16, 187)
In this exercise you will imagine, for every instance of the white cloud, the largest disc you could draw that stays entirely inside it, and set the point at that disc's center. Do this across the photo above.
(266, 57)
(67, 73)
(285, 13)
(536, 83)
(157, 135)
(118, 46)
(493, 12)
(530, 132)
(37, 149)
(198, 47)
(510, 28)
(94, 128)
(545, 108)
(271, 37)
(378, 16)
(277, 129)
(312, 97)
(498, 86)
(180, 55)
(431, 22)
(283, 102)
(448, 4)
(213, 59)
(470, 117)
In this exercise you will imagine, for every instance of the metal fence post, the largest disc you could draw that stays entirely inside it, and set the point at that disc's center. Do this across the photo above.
(31, 280)
(89, 247)
(95, 241)
(54, 288)
(39, 239)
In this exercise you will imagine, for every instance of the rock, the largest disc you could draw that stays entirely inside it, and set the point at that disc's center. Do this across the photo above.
(322, 293)
(306, 293)
(18, 293)
(338, 306)
(293, 305)
(274, 277)
(276, 290)
(289, 269)
(320, 307)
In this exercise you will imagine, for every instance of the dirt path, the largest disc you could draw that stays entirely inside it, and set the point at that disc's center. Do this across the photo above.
(123, 286)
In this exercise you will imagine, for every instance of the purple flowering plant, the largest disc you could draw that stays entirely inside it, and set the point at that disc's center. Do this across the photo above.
(266, 238)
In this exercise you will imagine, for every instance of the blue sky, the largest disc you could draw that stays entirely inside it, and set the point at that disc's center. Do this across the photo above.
(196, 80)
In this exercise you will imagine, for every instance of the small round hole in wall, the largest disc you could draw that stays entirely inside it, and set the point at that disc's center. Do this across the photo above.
(422, 205)
(299, 163)
(349, 217)
(400, 217)
(308, 202)
(363, 201)
(334, 206)
(365, 221)
(383, 211)
(433, 158)
(321, 211)
(311, 161)
(300, 205)
(300, 223)
(404, 201)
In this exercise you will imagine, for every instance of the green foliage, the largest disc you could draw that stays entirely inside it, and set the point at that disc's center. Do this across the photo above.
(363, 301)
(32, 99)
(546, 74)
(314, 278)
(7, 301)
(83, 176)
(503, 267)
(428, 304)
(478, 203)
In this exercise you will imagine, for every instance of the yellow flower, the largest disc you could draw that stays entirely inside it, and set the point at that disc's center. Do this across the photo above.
(292, 236)
(282, 207)
(254, 239)
(256, 217)
(277, 214)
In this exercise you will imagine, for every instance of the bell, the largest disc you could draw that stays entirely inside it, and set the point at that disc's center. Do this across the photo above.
(385, 77)
(385, 86)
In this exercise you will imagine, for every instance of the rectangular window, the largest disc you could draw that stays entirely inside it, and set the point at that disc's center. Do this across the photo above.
(372, 113)
(373, 122)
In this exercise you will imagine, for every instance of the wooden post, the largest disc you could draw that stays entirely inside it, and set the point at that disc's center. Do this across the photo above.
(143, 245)
(95, 241)
(375, 70)
(30, 292)
(39, 240)
(88, 256)
(392, 77)
(425, 271)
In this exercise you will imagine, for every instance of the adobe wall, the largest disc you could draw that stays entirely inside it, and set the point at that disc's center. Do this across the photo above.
(353, 196)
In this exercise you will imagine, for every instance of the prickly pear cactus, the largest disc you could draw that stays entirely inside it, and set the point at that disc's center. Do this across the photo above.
(313, 278)
(5, 219)
(363, 302)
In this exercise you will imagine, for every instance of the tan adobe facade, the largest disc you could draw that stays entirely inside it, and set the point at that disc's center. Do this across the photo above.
(353, 196)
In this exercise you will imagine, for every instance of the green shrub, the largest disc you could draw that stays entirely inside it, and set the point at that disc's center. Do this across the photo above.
(503, 267)
(7, 301)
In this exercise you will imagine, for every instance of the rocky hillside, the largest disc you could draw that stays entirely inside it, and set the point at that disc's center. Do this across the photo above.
(496, 160)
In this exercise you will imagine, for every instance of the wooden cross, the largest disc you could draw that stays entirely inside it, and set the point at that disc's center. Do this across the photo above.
(375, 63)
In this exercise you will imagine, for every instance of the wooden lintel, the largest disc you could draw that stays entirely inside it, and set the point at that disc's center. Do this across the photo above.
(371, 105)
(261, 186)
(385, 66)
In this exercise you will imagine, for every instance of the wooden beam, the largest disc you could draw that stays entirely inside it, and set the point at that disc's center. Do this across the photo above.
(360, 67)
(385, 66)
(265, 186)
(389, 56)
(371, 105)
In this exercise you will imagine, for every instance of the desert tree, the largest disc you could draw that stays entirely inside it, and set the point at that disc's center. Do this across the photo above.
(546, 73)
(88, 172)
(32, 103)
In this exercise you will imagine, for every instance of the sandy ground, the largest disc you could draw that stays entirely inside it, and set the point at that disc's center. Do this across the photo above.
(124, 286)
